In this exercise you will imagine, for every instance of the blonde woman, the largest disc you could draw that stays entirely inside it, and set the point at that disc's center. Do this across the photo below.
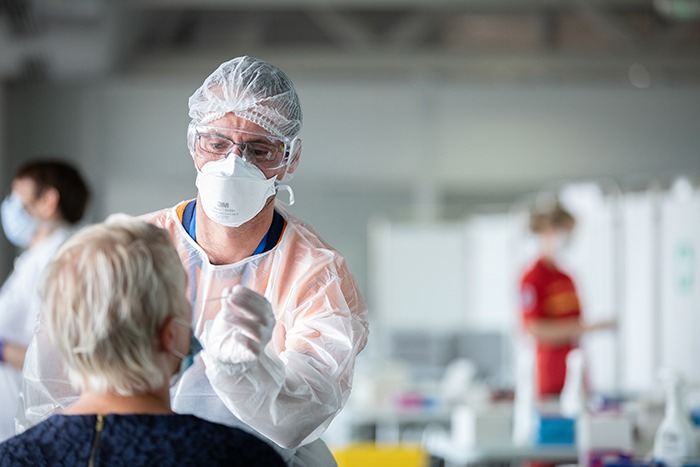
(115, 305)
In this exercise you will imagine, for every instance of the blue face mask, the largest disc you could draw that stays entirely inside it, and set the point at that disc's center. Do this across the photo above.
(186, 361)
(18, 225)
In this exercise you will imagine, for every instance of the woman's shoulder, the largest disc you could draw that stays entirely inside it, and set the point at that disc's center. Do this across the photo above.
(56, 427)
(207, 431)
(59, 436)
(188, 435)
(174, 439)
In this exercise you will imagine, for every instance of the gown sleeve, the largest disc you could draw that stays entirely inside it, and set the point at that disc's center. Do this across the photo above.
(303, 379)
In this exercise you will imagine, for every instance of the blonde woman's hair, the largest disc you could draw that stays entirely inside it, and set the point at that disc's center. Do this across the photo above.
(106, 297)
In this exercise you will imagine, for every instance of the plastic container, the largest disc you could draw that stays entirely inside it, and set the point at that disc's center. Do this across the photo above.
(378, 455)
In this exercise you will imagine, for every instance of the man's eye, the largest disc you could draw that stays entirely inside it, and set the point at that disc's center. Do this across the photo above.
(219, 145)
(262, 152)
(214, 144)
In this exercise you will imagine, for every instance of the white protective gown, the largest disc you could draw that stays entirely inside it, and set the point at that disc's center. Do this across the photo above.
(19, 307)
(303, 379)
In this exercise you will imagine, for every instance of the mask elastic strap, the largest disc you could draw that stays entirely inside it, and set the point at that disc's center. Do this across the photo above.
(288, 189)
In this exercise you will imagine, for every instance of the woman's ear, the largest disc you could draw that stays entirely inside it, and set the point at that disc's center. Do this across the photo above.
(167, 335)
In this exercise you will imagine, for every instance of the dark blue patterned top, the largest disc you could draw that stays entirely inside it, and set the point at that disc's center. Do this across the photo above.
(136, 440)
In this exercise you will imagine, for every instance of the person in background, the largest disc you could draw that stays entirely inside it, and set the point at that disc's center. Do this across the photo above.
(279, 314)
(48, 199)
(115, 304)
(551, 311)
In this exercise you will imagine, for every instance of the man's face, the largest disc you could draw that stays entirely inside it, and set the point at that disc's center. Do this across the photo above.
(26, 189)
(240, 130)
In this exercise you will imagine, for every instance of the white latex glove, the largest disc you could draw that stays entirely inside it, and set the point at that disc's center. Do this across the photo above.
(241, 329)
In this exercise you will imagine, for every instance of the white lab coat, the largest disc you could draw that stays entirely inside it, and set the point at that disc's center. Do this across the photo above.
(19, 306)
(303, 379)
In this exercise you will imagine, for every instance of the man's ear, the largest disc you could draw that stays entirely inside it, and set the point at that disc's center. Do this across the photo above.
(295, 156)
(47, 205)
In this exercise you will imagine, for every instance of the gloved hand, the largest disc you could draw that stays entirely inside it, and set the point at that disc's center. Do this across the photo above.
(241, 329)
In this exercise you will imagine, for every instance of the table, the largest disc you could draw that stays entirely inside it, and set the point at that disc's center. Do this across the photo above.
(440, 445)
(390, 422)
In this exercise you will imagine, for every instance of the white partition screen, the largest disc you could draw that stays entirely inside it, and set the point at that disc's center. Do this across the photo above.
(638, 318)
(680, 290)
(417, 276)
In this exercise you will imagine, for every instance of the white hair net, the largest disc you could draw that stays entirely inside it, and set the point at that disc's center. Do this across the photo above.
(252, 89)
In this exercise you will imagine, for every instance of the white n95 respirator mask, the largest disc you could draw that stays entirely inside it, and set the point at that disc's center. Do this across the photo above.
(232, 191)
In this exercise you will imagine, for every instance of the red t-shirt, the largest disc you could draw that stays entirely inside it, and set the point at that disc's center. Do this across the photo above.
(549, 294)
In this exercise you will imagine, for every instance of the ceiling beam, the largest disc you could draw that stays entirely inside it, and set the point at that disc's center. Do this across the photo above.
(253, 31)
(671, 38)
(377, 4)
(609, 26)
(412, 29)
(406, 63)
(347, 31)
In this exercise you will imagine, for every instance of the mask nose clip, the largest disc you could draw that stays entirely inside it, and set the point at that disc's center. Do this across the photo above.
(234, 164)
(224, 167)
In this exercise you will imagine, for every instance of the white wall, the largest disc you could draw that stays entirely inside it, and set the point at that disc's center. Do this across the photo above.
(370, 145)
(525, 136)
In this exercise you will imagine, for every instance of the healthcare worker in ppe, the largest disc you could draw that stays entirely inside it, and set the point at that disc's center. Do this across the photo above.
(48, 198)
(551, 309)
(275, 307)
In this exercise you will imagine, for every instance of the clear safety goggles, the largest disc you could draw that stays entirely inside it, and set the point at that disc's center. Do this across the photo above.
(213, 143)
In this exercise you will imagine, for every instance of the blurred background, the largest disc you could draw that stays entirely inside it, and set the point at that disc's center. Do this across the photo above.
(429, 129)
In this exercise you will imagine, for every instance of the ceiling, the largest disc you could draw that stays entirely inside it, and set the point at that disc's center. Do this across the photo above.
(74, 40)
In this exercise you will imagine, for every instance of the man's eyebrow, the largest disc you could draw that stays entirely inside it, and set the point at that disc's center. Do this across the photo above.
(216, 133)
(264, 140)
(259, 138)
